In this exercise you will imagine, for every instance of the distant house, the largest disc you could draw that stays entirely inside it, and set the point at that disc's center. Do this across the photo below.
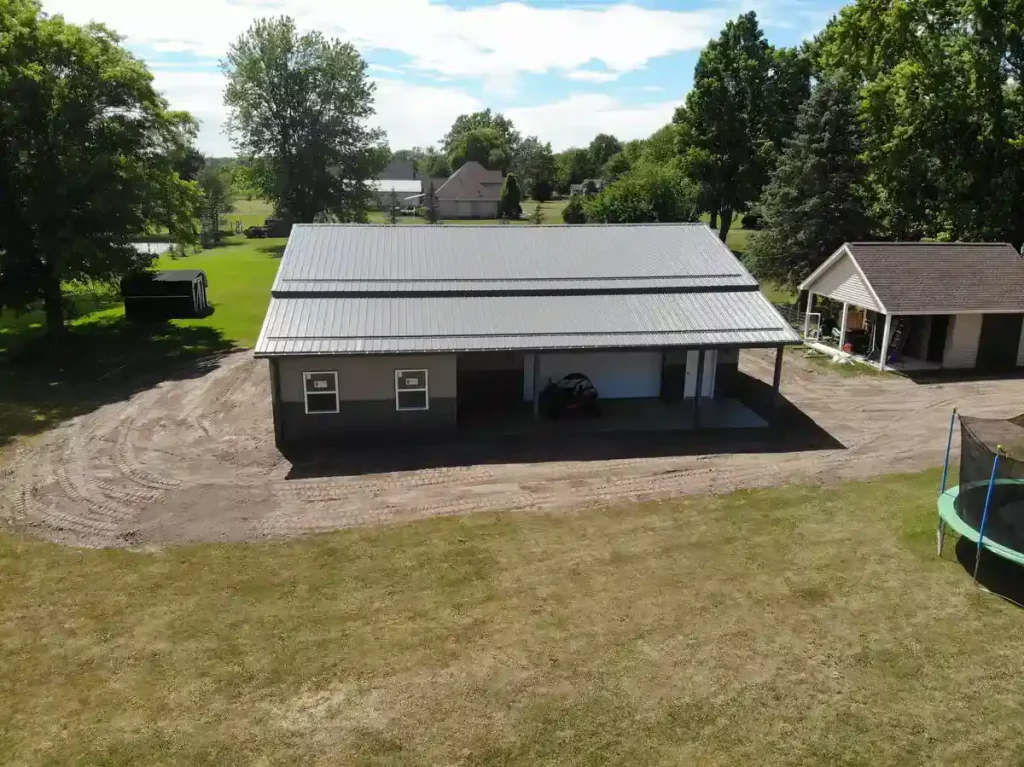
(399, 170)
(470, 192)
(385, 191)
(598, 183)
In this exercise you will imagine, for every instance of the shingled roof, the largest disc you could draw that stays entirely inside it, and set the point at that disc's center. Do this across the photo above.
(936, 278)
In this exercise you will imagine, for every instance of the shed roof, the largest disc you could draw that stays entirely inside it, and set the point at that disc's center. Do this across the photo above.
(937, 278)
(398, 186)
(472, 181)
(331, 258)
(342, 325)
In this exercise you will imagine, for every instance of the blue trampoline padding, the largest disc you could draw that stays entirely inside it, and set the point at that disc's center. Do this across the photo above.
(947, 510)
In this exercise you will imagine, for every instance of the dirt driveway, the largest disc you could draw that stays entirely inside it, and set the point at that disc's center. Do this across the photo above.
(194, 460)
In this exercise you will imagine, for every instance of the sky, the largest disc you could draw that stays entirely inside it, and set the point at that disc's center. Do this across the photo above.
(563, 71)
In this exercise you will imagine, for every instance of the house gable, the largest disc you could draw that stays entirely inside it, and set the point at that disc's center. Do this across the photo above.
(842, 280)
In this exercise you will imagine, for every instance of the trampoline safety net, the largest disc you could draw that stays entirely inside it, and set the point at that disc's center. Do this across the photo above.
(980, 438)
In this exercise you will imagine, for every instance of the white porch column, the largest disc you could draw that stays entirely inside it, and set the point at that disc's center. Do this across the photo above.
(885, 342)
(842, 327)
(807, 313)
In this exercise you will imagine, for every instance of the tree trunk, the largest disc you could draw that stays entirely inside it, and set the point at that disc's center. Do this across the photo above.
(714, 219)
(723, 231)
(53, 304)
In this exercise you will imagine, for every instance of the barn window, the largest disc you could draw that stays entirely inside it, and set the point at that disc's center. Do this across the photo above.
(411, 390)
(321, 390)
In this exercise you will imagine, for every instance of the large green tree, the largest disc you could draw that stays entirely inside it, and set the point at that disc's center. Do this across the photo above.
(482, 145)
(942, 113)
(648, 193)
(87, 159)
(572, 166)
(218, 198)
(742, 106)
(511, 196)
(506, 130)
(534, 165)
(602, 148)
(816, 200)
(301, 104)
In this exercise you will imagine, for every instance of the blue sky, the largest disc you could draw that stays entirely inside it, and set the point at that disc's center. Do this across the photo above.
(561, 70)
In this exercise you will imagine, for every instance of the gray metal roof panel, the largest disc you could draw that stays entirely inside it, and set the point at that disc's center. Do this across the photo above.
(332, 258)
(342, 325)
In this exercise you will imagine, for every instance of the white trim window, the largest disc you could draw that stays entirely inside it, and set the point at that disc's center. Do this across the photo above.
(411, 390)
(320, 390)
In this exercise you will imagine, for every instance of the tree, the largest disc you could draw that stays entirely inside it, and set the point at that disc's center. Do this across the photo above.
(433, 214)
(816, 199)
(942, 112)
(537, 216)
(573, 212)
(87, 156)
(601, 150)
(393, 208)
(486, 119)
(660, 146)
(572, 166)
(648, 193)
(731, 125)
(482, 145)
(301, 104)
(535, 166)
(510, 198)
(617, 165)
(218, 198)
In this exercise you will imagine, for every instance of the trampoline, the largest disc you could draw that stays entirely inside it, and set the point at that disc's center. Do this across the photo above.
(987, 507)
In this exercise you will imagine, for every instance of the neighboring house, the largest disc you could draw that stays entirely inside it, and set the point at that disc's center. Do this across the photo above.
(399, 170)
(598, 186)
(931, 305)
(382, 333)
(470, 192)
(387, 191)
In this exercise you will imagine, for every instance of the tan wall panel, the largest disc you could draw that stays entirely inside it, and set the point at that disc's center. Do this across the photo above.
(367, 378)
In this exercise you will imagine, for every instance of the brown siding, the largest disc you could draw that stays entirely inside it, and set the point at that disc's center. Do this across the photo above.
(368, 378)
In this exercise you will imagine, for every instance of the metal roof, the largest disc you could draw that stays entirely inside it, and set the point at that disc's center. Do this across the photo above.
(396, 185)
(351, 325)
(347, 259)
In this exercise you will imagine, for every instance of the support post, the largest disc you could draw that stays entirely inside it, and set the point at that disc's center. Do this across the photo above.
(777, 381)
(700, 385)
(884, 354)
(807, 313)
(941, 534)
(536, 385)
(842, 327)
(984, 513)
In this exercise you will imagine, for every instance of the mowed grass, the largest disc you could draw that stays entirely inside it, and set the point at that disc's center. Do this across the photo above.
(801, 625)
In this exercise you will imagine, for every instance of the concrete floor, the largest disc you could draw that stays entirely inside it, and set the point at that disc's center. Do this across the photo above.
(620, 415)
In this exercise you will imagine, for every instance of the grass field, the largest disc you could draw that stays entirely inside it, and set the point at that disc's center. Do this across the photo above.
(798, 626)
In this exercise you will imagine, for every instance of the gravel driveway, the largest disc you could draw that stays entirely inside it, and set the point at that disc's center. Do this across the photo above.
(194, 460)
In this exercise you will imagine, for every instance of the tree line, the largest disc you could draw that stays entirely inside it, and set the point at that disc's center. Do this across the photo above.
(897, 121)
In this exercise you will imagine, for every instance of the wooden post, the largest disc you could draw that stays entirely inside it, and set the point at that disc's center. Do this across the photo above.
(885, 342)
(807, 313)
(777, 381)
(700, 385)
(842, 327)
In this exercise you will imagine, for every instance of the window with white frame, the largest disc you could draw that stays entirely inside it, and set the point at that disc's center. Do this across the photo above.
(321, 392)
(411, 390)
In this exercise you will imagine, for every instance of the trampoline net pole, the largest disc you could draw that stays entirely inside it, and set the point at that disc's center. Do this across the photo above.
(984, 513)
(941, 532)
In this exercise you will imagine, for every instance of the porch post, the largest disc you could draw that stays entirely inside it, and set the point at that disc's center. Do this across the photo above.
(885, 342)
(700, 385)
(777, 381)
(536, 385)
(842, 327)
(807, 313)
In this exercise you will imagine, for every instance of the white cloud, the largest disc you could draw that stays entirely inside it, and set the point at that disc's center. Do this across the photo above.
(590, 76)
(575, 121)
(384, 69)
(419, 115)
(483, 41)
(653, 88)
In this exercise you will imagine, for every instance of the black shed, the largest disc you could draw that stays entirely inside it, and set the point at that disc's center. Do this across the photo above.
(163, 295)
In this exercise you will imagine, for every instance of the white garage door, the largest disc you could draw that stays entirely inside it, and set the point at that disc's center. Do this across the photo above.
(615, 374)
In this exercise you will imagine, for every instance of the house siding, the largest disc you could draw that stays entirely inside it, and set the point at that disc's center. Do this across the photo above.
(366, 400)
(842, 282)
(962, 342)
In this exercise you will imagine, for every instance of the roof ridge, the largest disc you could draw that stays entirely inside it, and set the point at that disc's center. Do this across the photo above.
(905, 243)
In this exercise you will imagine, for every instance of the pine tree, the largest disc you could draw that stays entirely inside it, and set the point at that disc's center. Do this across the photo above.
(537, 217)
(573, 213)
(816, 198)
(393, 208)
(511, 197)
(433, 215)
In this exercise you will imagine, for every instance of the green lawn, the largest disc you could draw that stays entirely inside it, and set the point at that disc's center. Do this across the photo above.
(797, 626)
